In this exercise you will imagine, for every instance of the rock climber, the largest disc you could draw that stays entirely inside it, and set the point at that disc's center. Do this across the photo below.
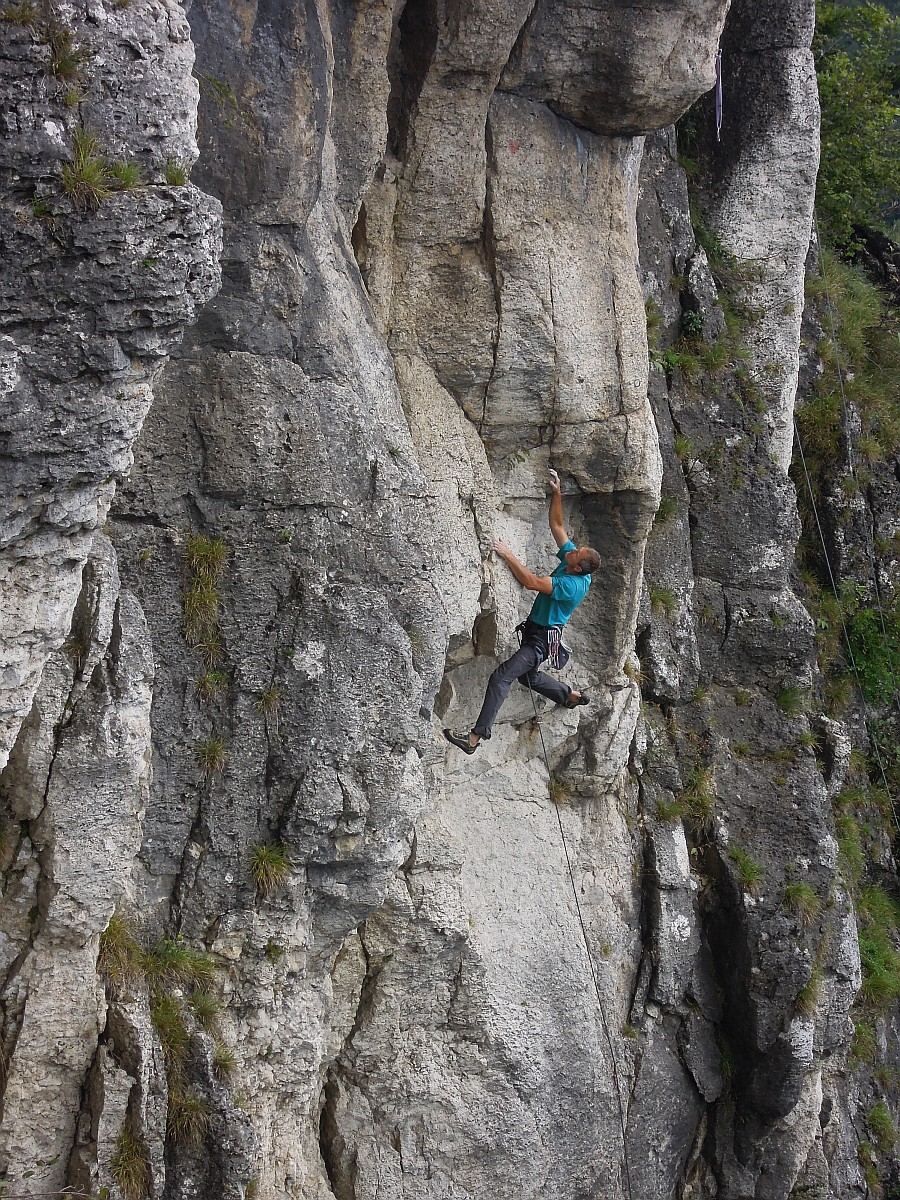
(559, 595)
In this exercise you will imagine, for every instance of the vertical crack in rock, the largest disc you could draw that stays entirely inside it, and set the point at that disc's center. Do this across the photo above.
(409, 58)
(490, 258)
(332, 1146)
(554, 381)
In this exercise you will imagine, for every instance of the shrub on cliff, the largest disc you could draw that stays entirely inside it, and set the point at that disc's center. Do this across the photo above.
(857, 50)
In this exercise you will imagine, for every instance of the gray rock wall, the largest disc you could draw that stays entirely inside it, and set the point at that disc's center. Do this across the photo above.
(94, 297)
(439, 228)
(96, 292)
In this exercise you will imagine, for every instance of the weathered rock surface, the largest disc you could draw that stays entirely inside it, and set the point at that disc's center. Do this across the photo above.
(93, 299)
(535, 972)
(617, 68)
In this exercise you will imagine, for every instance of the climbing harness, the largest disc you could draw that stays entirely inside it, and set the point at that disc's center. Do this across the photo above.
(558, 653)
(587, 951)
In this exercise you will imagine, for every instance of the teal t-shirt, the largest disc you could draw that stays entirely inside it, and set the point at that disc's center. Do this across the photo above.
(568, 592)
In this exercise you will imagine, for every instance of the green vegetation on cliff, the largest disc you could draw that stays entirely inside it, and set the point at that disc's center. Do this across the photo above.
(857, 52)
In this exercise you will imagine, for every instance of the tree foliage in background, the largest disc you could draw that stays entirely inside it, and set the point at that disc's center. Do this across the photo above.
(857, 53)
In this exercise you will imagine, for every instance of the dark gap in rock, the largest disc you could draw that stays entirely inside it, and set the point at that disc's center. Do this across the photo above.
(360, 244)
(516, 53)
(443, 699)
(489, 245)
(113, 650)
(332, 1146)
(412, 49)
(763, 1083)
(82, 630)
(616, 524)
(484, 632)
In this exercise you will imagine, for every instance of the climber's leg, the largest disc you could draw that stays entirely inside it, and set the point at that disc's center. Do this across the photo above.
(525, 659)
(547, 686)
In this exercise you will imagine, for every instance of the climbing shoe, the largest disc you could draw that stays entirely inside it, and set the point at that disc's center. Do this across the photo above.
(584, 698)
(460, 737)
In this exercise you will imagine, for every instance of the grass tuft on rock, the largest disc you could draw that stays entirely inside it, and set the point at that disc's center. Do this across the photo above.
(633, 672)
(560, 790)
(808, 997)
(175, 173)
(125, 176)
(749, 870)
(130, 1163)
(879, 921)
(224, 1061)
(662, 599)
(173, 963)
(697, 799)
(668, 810)
(668, 507)
(802, 900)
(66, 57)
(268, 702)
(188, 1118)
(211, 683)
(273, 951)
(205, 559)
(168, 1022)
(864, 1046)
(851, 855)
(882, 1126)
(270, 866)
(866, 1157)
(121, 958)
(24, 13)
(206, 1008)
(206, 556)
(211, 754)
(86, 179)
(201, 611)
(792, 701)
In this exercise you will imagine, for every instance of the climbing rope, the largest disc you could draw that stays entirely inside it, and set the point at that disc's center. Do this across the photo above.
(870, 547)
(587, 951)
(873, 741)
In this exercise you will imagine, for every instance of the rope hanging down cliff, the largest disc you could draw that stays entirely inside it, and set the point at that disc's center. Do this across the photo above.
(839, 366)
(587, 951)
(873, 741)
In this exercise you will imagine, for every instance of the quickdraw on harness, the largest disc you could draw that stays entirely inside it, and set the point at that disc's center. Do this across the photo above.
(558, 653)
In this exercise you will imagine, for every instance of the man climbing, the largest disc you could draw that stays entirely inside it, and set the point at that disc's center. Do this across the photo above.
(559, 595)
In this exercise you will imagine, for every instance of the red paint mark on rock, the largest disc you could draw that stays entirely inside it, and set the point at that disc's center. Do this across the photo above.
(514, 147)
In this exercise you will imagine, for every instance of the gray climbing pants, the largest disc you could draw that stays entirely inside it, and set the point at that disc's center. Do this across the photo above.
(522, 666)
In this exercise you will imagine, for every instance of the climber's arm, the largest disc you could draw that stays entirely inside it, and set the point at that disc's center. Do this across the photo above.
(556, 513)
(534, 583)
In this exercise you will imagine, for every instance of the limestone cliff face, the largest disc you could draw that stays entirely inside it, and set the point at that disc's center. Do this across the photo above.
(440, 228)
(94, 298)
